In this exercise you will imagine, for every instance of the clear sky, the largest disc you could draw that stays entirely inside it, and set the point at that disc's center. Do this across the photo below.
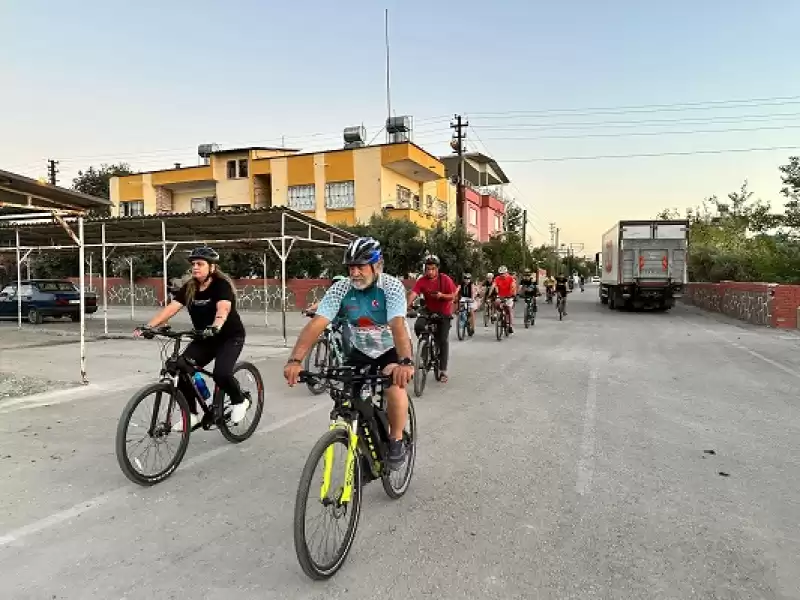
(90, 82)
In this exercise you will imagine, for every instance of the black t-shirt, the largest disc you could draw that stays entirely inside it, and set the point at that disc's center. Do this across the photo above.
(529, 283)
(561, 283)
(204, 308)
(465, 290)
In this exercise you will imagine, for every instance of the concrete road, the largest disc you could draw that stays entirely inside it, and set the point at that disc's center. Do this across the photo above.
(611, 455)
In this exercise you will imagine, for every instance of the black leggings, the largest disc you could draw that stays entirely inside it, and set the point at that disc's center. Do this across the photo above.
(442, 337)
(224, 353)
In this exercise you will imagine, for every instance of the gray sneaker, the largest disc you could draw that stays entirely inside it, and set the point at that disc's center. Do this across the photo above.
(397, 455)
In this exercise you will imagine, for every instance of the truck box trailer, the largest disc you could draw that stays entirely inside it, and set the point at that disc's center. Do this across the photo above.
(643, 264)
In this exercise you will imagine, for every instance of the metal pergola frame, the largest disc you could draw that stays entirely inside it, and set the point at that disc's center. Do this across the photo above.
(278, 228)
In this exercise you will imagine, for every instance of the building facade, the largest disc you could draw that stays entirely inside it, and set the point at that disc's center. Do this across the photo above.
(343, 186)
(484, 204)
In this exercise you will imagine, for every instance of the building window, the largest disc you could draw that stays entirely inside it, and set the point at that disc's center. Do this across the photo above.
(132, 208)
(473, 217)
(243, 167)
(235, 207)
(441, 209)
(403, 197)
(302, 197)
(201, 205)
(498, 223)
(231, 169)
(340, 194)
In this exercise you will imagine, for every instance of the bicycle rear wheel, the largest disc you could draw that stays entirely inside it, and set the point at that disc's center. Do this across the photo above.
(333, 507)
(395, 487)
(154, 429)
(499, 325)
(239, 432)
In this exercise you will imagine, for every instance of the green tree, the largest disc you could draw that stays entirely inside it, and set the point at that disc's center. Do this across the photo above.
(458, 251)
(96, 182)
(513, 217)
(790, 177)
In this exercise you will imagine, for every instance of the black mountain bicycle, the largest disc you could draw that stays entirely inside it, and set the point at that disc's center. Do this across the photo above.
(530, 312)
(426, 357)
(360, 429)
(156, 427)
(501, 322)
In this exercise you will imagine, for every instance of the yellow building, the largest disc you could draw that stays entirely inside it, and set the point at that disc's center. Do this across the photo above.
(343, 186)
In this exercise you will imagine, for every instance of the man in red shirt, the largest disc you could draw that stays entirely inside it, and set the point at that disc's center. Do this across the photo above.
(439, 293)
(506, 292)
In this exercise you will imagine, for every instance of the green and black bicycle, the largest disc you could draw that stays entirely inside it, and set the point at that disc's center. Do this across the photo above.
(359, 429)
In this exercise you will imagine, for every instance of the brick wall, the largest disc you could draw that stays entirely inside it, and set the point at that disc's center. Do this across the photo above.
(768, 304)
(251, 293)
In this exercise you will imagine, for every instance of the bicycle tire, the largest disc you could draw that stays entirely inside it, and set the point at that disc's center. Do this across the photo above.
(420, 367)
(486, 316)
(122, 427)
(321, 385)
(391, 491)
(461, 329)
(499, 326)
(224, 427)
(310, 568)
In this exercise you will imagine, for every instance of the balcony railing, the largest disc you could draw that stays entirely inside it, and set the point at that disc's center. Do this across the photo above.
(494, 191)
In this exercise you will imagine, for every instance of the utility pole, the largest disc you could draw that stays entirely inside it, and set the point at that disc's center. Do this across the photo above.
(524, 239)
(457, 144)
(51, 171)
(557, 251)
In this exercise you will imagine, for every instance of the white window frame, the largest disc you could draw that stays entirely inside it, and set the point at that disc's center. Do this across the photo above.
(340, 194)
(131, 208)
(473, 217)
(302, 197)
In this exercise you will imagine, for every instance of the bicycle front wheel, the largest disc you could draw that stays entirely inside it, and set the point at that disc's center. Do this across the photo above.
(335, 508)
(148, 450)
(316, 360)
(421, 367)
(499, 325)
(462, 327)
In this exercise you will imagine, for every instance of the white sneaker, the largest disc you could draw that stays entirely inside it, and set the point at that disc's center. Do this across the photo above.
(238, 411)
(193, 420)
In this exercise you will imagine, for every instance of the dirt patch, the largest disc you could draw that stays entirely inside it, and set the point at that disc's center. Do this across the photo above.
(15, 386)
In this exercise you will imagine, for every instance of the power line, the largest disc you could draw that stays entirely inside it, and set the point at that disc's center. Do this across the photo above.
(635, 123)
(649, 155)
(705, 105)
(643, 133)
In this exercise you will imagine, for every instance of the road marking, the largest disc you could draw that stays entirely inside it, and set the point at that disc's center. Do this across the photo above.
(87, 505)
(585, 470)
(753, 353)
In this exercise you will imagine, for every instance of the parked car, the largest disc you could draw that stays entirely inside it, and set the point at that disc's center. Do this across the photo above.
(596, 279)
(45, 298)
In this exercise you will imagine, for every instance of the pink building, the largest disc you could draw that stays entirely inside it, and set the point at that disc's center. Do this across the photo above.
(482, 210)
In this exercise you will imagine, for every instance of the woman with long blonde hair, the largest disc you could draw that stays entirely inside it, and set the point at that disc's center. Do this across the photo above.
(210, 298)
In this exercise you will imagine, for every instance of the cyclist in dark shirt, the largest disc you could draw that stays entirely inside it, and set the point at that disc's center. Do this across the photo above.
(210, 298)
(562, 285)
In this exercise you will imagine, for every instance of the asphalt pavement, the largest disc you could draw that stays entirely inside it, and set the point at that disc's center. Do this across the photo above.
(611, 455)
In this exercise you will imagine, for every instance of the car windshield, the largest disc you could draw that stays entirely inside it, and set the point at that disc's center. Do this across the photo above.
(56, 286)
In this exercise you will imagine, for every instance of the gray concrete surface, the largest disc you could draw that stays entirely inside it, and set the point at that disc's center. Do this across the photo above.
(39, 358)
(566, 462)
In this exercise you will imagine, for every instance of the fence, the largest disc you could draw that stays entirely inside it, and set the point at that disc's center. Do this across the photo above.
(767, 304)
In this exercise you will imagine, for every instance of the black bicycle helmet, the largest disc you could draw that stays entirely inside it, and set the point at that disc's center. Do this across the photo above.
(362, 251)
(205, 253)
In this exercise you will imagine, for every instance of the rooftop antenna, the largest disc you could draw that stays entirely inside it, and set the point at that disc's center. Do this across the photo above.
(388, 88)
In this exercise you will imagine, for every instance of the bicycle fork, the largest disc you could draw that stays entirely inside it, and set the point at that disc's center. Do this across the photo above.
(349, 467)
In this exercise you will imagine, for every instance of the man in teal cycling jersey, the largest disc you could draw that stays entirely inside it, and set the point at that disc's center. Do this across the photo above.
(374, 307)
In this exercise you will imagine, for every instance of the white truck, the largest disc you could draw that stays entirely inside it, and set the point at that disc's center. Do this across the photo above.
(643, 264)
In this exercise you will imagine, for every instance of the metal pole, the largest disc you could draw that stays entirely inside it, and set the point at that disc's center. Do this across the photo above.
(105, 278)
(266, 293)
(164, 256)
(19, 285)
(28, 267)
(130, 266)
(81, 275)
(283, 275)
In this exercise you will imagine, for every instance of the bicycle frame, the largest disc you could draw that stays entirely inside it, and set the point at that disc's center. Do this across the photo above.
(358, 416)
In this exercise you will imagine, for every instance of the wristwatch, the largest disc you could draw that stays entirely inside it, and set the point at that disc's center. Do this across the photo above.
(294, 361)
(406, 362)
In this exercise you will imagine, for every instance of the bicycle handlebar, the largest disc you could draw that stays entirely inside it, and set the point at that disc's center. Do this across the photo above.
(166, 331)
(344, 375)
